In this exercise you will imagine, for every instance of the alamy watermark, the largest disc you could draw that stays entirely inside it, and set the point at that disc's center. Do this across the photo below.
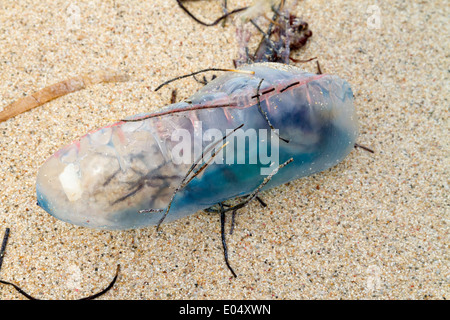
(73, 17)
(374, 19)
(240, 146)
(373, 282)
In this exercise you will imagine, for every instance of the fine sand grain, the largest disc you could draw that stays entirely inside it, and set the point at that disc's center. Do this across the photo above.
(373, 227)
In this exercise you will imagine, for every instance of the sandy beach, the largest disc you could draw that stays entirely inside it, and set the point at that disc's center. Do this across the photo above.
(373, 227)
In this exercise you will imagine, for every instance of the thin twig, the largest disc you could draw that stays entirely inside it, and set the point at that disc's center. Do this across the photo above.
(212, 23)
(201, 71)
(3, 248)
(58, 90)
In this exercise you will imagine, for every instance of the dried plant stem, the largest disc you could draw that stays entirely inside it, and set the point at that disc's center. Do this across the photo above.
(58, 90)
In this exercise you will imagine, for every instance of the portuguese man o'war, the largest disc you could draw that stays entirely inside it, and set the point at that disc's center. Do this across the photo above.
(126, 175)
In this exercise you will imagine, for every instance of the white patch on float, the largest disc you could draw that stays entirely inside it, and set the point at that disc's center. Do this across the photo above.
(70, 181)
